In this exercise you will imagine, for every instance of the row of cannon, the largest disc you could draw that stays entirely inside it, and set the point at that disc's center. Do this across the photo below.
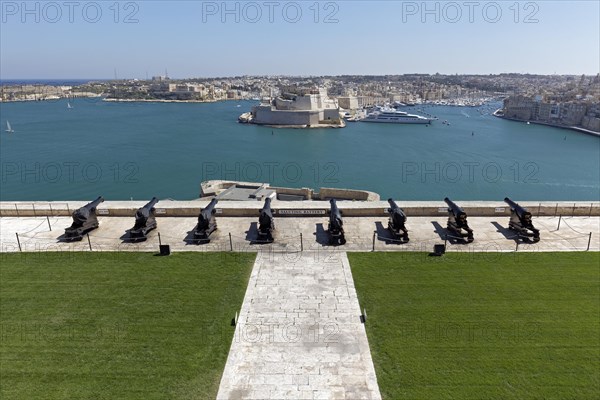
(85, 220)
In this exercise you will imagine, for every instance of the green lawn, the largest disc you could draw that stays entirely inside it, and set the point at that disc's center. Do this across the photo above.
(117, 325)
(482, 326)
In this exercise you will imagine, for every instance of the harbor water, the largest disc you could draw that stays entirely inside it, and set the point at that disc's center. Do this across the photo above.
(139, 150)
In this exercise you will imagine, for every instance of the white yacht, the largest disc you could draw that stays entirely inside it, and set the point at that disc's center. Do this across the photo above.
(396, 117)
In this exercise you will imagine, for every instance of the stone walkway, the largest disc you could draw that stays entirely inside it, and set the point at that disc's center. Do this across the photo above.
(299, 334)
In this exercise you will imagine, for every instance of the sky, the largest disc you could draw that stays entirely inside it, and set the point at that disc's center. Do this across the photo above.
(135, 39)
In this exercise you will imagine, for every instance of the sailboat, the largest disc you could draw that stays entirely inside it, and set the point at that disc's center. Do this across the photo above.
(69, 106)
(9, 129)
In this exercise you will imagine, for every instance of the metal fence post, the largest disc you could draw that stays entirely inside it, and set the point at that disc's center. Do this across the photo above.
(49, 226)
(33, 207)
(589, 241)
(17, 209)
(159, 239)
(374, 235)
(230, 242)
(89, 241)
(301, 243)
(559, 219)
(18, 241)
(517, 248)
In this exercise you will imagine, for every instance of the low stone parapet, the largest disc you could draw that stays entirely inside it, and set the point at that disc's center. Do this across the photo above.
(172, 208)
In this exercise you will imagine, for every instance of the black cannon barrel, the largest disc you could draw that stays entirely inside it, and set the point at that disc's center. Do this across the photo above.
(267, 208)
(93, 204)
(144, 212)
(396, 212)
(151, 203)
(518, 209)
(85, 211)
(209, 209)
(394, 208)
(335, 215)
(334, 208)
(456, 210)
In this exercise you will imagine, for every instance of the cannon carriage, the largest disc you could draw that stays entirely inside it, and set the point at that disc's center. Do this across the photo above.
(457, 222)
(266, 224)
(397, 221)
(336, 225)
(145, 221)
(520, 222)
(207, 223)
(84, 220)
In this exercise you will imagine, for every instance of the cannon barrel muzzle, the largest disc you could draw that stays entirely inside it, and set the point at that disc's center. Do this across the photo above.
(151, 203)
(394, 210)
(145, 211)
(335, 212)
(456, 210)
(84, 212)
(210, 208)
(266, 210)
(93, 204)
(267, 203)
(521, 211)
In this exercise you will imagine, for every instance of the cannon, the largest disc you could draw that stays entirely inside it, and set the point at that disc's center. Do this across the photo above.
(396, 222)
(266, 226)
(457, 222)
(145, 221)
(207, 223)
(84, 220)
(520, 222)
(336, 225)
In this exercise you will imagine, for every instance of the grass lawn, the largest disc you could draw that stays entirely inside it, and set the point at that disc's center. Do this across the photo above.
(482, 326)
(117, 325)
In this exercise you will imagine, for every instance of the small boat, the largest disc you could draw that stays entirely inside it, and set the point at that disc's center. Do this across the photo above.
(9, 129)
(69, 106)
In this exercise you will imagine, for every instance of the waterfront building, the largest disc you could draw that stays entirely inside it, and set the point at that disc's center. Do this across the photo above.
(300, 107)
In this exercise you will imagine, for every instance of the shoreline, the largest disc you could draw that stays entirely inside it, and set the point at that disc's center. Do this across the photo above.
(160, 101)
(573, 128)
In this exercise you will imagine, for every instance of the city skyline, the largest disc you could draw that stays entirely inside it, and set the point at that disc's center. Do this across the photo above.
(90, 40)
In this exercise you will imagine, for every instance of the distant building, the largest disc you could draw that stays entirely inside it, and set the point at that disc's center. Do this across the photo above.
(299, 107)
(348, 102)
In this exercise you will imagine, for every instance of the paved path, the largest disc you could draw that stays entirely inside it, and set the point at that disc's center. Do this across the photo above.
(299, 334)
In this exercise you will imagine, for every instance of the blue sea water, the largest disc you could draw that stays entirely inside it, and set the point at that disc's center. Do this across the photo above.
(140, 150)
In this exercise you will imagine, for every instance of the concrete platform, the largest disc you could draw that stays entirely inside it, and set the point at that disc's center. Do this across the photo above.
(299, 334)
(491, 234)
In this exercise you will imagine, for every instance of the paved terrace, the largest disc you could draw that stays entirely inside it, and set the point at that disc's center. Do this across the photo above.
(299, 226)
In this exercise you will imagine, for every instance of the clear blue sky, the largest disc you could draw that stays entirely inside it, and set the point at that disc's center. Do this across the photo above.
(190, 38)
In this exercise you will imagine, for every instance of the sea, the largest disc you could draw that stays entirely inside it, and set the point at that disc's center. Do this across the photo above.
(138, 150)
